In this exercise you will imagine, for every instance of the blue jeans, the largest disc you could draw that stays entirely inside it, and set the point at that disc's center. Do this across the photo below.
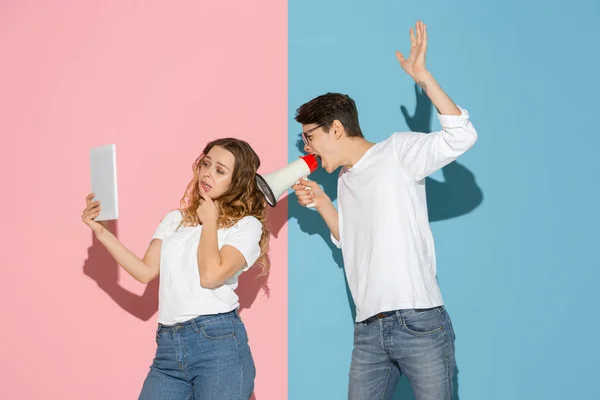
(416, 343)
(205, 358)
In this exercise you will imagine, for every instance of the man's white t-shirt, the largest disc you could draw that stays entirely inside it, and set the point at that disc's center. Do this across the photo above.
(181, 297)
(386, 241)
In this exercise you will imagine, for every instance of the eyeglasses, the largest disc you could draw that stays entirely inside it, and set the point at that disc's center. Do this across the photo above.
(305, 134)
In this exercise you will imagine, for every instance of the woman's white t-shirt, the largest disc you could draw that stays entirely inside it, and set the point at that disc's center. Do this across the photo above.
(181, 297)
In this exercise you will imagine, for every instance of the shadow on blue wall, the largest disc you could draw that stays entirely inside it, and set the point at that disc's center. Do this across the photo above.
(457, 195)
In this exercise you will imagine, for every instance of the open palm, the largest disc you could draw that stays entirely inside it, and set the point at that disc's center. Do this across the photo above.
(414, 65)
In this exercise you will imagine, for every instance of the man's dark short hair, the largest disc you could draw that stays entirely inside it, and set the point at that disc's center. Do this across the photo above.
(327, 108)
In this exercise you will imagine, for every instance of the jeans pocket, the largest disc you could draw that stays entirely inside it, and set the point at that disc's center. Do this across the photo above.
(425, 322)
(357, 325)
(218, 330)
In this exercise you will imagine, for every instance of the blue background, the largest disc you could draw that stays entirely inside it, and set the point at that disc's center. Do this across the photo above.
(515, 220)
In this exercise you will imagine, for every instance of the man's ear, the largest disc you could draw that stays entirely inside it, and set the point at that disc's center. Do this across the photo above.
(337, 129)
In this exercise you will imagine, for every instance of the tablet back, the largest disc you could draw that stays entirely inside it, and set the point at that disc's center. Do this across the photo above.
(103, 167)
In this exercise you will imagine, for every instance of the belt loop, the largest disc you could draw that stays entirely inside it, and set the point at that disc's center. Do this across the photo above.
(399, 317)
(195, 326)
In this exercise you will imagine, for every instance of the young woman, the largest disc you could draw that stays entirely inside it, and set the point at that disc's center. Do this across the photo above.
(200, 249)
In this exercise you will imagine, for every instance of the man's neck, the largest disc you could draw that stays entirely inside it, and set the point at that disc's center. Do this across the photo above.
(355, 149)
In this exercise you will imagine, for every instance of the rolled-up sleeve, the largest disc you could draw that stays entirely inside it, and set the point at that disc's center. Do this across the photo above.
(421, 154)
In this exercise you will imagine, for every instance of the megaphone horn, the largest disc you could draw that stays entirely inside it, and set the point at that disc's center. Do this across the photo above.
(273, 185)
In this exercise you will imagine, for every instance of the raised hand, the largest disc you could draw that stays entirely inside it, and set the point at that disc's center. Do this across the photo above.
(91, 211)
(414, 65)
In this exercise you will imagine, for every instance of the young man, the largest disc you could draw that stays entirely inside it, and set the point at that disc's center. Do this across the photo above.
(381, 225)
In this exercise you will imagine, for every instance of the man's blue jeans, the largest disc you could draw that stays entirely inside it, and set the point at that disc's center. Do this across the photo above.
(416, 343)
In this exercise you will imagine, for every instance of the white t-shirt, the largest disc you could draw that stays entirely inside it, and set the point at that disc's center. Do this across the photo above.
(181, 297)
(386, 241)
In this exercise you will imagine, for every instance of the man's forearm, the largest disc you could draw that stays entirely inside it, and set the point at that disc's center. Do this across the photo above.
(438, 97)
(330, 216)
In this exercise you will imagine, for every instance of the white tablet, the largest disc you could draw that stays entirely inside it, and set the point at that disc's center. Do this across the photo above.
(103, 168)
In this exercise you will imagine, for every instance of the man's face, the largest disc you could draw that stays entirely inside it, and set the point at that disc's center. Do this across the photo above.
(322, 144)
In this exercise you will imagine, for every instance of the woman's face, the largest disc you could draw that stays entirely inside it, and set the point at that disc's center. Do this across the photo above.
(216, 172)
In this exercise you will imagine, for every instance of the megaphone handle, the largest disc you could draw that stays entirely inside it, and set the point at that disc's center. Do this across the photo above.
(311, 205)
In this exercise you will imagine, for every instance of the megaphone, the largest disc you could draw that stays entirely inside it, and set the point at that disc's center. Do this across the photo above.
(273, 185)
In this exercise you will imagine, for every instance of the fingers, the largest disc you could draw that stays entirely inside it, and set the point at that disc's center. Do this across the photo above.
(306, 199)
(297, 186)
(303, 183)
(418, 40)
(421, 39)
(203, 195)
(400, 57)
(304, 192)
(92, 209)
(306, 196)
(92, 206)
(309, 183)
(419, 35)
(88, 199)
(94, 214)
(91, 212)
(414, 48)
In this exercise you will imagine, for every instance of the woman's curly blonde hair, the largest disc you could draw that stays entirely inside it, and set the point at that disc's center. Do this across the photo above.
(242, 199)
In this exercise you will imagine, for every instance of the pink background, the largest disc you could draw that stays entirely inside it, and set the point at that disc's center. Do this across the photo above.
(158, 79)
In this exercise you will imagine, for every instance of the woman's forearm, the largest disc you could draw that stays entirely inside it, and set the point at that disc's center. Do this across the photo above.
(209, 257)
(135, 266)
